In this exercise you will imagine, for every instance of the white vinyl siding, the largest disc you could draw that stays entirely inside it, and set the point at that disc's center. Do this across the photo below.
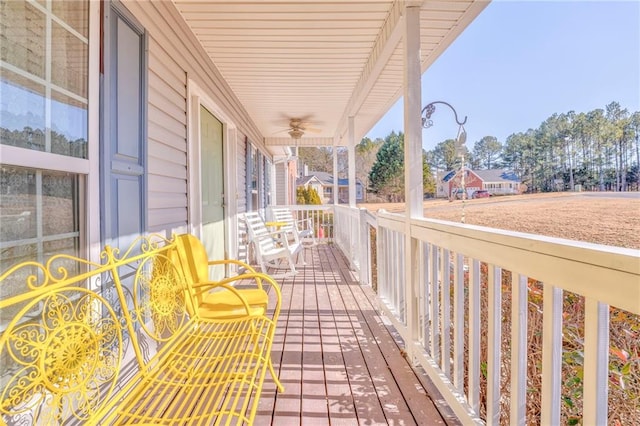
(241, 198)
(167, 119)
(281, 179)
(242, 174)
(174, 57)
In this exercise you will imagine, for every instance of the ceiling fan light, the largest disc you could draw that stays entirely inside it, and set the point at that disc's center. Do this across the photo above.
(296, 133)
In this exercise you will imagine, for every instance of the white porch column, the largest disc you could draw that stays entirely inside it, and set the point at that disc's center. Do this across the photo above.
(413, 167)
(352, 162)
(336, 187)
(287, 197)
(412, 108)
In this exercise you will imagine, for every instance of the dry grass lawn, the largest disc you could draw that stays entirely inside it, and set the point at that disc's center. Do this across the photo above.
(610, 221)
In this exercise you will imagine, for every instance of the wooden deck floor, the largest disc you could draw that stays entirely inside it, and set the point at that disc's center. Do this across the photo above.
(337, 360)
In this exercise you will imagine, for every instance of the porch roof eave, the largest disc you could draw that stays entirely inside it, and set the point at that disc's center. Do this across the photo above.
(321, 62)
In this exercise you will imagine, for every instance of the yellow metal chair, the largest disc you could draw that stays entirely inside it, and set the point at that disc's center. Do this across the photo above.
(223, 303)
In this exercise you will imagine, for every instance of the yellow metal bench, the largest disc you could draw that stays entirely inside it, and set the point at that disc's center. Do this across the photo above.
(122, 342)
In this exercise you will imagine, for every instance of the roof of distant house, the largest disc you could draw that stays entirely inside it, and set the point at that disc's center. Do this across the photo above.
(493, 175)
(304, 180)
(324, 178)
(497, 175)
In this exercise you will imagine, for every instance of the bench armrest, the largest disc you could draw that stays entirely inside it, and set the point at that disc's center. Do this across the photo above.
(233, 262)
(281, 237)
(240, 263)
(225, 283)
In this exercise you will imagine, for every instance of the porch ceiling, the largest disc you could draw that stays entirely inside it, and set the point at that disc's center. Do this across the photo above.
(322, 61)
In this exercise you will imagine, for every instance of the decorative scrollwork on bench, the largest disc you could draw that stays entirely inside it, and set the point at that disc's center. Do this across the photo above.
(124, 342)
(66, 359)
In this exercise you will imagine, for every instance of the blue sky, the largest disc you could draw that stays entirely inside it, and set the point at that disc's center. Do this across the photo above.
(519, 62)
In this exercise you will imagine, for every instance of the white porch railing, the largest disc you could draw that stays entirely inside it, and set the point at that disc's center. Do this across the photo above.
(462, 323)
(348, 228)
(321, 216)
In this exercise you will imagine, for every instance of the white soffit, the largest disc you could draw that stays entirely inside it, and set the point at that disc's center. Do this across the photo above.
(320, 60)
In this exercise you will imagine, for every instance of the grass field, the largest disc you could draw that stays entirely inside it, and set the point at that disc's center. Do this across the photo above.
(576, 216)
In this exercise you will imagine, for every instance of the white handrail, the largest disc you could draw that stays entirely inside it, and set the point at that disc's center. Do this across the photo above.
(457, 260)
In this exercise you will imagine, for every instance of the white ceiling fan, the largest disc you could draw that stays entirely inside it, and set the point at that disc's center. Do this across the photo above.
(299, 126)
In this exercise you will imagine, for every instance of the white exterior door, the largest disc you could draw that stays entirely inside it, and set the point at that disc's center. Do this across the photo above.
(212, 189)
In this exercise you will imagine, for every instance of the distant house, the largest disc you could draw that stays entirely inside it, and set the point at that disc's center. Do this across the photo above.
(312, 181)
(322, 182)
(496, 181)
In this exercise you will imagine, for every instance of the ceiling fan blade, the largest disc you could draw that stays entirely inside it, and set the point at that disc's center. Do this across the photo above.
(311, 129)
(281, 131)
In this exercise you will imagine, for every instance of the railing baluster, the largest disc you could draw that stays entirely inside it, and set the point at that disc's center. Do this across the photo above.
(458, 331)
(383, 250)
(494, 345)
(401, 277)
(435, 304)
(363, 237)
(519, 315)
(391, 298)
(551, 354)
(426, 254)
(389, 266)
(394, 271)
(393, 266)
(474, 336)
(596, 362)
(331, 230)
(383, 269)
(445, 317)
(395, 281)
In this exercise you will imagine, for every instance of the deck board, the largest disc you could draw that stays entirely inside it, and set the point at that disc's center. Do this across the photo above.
(336, 358)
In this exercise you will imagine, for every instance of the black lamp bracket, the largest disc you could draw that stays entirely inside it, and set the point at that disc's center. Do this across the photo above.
(430, 108)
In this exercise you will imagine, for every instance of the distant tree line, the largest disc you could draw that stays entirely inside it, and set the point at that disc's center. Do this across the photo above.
(379, 165)
(386, 177)
(35, 139)
(599, 150)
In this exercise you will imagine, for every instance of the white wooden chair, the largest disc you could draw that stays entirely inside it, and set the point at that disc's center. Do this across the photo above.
(302, 230)
(272, 248)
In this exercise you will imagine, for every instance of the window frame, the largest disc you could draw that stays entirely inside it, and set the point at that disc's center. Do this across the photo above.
(87, 169)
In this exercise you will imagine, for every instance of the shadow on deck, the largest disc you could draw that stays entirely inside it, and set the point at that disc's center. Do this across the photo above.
(336, 358)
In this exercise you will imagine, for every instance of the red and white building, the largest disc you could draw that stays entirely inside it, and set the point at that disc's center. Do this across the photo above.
(496, 181)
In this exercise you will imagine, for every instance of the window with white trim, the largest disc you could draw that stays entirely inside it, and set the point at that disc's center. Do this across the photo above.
(258, 179)
(44, 49)
(268, 167)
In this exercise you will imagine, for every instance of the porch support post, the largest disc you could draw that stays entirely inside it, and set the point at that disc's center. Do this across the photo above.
(413, 168)
(352, 162)
(336, 187)
(286, 184)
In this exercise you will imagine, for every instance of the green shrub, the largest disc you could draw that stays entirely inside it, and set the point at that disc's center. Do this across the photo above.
(307, 196)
